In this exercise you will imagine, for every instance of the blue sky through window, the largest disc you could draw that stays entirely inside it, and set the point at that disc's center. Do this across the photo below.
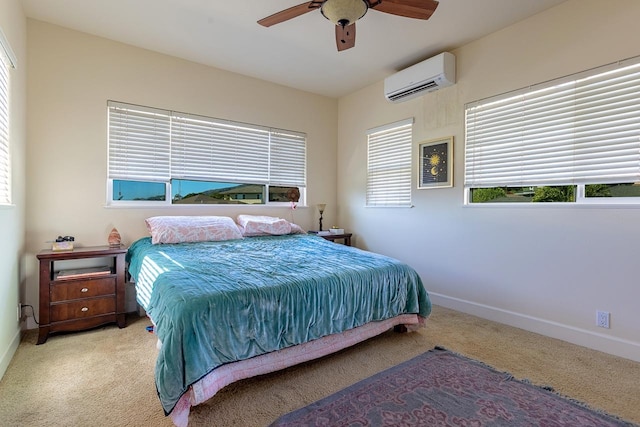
(184, 187)
(140, 190)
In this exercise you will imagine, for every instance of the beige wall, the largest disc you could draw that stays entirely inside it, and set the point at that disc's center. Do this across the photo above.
(542, 268)
(13, 24)
(71, 77)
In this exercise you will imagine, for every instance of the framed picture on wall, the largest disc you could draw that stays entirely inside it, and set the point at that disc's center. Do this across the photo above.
(435, 163)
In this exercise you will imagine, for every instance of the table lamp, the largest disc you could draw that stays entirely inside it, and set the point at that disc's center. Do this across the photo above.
(321, 207)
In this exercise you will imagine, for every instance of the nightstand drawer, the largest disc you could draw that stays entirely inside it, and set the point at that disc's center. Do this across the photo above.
(82, 308)
(64, 291)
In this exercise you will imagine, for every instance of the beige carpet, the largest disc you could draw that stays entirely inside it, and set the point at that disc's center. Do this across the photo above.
(104, 377)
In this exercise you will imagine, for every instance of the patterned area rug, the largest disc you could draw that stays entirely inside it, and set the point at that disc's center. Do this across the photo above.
(440, 388)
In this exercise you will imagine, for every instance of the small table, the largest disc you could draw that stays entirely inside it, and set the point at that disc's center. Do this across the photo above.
(345, 237)
(85, 300)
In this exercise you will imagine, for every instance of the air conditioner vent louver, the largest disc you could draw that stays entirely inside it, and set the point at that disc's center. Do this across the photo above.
(424, 77)
(423, 87)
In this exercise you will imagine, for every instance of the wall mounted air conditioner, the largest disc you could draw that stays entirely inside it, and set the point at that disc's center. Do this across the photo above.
(426, 76)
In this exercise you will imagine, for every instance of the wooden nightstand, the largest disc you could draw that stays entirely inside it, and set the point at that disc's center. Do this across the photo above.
(84, 301)
(345, 237)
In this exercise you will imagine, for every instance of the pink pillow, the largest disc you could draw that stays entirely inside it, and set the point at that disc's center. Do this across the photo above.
(180, 229)
(296, 229)
(253, 225)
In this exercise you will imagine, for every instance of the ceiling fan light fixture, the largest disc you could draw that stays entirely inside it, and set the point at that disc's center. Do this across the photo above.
(344, 12)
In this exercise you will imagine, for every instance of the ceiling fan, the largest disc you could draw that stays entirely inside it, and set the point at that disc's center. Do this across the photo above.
(345, 13)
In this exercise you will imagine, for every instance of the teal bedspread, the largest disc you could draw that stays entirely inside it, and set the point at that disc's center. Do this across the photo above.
(218, 302)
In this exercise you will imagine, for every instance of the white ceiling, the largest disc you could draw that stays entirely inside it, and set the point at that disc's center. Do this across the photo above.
(300, 53)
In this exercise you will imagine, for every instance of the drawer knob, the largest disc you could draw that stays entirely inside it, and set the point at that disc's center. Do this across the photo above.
(85, 308)
(84, 290)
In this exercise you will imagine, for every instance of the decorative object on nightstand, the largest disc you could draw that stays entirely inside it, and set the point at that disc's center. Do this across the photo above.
(114, 237)
(321, 207)
(74, 300)
(63, 243)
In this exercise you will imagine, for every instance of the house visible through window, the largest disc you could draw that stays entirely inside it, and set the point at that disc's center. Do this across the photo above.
(389, 165)
(7, 61)
(572, 140)
(165, 157)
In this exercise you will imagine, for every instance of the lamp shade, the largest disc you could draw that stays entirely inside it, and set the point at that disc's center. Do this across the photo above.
(344, 12)
(321, 207)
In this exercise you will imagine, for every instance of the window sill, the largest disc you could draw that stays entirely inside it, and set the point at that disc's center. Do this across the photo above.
(204, 206)
(554, 205)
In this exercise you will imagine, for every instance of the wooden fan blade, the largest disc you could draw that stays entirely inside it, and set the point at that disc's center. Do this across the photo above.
(345, 36)
(292, 12)
(418, 9)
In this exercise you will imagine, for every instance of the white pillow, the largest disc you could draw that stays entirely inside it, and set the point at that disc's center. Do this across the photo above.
(181, 229)
(255, 225)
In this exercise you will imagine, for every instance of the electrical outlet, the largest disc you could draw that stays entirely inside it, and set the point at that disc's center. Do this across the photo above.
(602, 319)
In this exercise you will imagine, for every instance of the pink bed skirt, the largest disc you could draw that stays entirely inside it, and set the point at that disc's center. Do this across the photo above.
(208, 386)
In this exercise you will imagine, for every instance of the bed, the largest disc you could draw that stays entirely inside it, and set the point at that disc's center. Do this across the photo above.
(230, 309)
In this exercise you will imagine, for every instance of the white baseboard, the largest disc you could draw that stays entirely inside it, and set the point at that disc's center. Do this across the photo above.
(606, 344)
(8, 355)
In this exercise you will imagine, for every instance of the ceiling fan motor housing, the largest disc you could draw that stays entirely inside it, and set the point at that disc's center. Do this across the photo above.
(344, 12)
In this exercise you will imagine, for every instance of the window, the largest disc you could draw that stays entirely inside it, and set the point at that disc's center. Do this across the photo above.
(389, 165)
(7, 61)
(165, 157)
(191, 192)
(573, 140)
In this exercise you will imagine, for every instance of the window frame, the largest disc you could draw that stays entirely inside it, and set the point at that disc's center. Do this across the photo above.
(379, 189)
(589, 113)
(281, 144)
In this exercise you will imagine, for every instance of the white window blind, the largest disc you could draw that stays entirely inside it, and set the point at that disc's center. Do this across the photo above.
(7, 60)
(150, 144)
(582, 129)
(207, 149)
(389, 165)
(139, 143)
(288, 159)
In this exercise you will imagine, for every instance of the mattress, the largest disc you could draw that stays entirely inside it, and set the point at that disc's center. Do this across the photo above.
(216, 303)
